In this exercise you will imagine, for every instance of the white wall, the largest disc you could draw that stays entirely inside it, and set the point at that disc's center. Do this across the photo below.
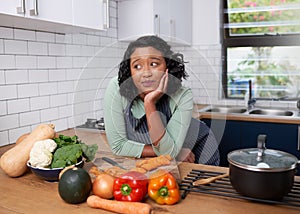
(48, 77)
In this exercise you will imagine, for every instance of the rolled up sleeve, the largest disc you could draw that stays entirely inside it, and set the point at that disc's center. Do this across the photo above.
(181, 105)
(115, 124)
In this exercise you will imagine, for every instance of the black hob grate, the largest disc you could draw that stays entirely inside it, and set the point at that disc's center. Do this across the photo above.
(224, 188)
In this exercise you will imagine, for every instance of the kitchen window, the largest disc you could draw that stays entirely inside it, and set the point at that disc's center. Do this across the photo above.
(261, 42)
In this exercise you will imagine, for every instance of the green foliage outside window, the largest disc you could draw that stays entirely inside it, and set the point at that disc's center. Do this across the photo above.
(273, 78)
(265, 17)
(265, 73)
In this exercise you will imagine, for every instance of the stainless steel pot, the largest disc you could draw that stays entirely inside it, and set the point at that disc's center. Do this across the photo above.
(262, 173)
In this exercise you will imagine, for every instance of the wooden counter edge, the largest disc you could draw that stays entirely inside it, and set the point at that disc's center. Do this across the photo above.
(249, 118)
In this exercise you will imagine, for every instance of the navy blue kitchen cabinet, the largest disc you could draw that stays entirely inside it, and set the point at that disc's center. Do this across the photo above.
(282, 137)
(243, 134)
(228, 135)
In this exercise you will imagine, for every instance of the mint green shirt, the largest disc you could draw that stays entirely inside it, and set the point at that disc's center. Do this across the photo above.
(181, 106)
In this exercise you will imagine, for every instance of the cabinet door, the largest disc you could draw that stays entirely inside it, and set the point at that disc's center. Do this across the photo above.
(162, 18)
(174, 20)
(56, 11)
(12, 7)
(135, 18)
(89, 15)
(283, 137)
(228, 135)
(67, 16)
(169, 19)
(181, 21)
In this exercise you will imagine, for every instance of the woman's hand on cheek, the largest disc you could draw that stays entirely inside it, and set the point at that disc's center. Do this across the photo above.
(163, 85)
(155, 95)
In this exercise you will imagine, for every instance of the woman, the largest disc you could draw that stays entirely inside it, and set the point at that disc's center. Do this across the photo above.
(146, 109)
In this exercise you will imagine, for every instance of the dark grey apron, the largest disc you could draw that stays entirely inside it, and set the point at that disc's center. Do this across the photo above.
(199, 139)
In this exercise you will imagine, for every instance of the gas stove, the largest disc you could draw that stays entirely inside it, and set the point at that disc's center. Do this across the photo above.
(93, 124)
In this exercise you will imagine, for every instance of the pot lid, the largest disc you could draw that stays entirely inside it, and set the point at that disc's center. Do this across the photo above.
(262, 159)
(271, 160)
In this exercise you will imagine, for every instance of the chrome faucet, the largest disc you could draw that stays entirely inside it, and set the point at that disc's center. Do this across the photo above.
(298, 106)
(251, 100)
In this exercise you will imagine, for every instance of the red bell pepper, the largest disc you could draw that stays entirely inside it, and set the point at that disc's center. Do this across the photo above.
(131, 186)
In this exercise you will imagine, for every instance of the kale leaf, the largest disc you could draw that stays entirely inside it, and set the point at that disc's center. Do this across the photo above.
(69, 151)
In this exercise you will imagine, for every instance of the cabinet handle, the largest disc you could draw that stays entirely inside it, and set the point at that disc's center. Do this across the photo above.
(156, 25)
(21, 10)
(106, 25)
(34, 11)
(298, 145)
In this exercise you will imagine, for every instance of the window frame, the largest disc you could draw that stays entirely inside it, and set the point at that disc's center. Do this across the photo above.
(228, 41)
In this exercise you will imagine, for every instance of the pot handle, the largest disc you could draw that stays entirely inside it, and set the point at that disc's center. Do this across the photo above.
(261, 145)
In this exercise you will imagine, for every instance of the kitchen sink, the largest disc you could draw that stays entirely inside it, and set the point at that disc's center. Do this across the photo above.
(227, 110)
(272, 112)
(269, 112)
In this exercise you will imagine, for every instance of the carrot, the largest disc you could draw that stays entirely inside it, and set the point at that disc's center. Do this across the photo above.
(118, 206)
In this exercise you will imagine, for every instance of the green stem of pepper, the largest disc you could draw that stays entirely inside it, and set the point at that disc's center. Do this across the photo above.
(163, 191)
(125, 189)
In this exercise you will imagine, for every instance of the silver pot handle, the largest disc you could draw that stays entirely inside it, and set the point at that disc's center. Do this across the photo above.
(261, 145)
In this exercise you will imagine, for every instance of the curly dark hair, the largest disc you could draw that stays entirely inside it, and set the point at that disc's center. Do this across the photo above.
(174, 62)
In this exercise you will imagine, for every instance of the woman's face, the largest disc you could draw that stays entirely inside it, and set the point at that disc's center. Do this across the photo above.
(147, 66)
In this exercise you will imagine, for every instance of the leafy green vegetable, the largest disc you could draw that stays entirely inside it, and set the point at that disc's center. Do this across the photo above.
(70, 149)
(89, 151)
(63, 140)
(66, 156)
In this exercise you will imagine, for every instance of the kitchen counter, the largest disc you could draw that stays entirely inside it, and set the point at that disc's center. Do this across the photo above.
(29, 194)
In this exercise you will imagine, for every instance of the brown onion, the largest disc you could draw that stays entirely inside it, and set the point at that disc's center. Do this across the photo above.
(103, 186)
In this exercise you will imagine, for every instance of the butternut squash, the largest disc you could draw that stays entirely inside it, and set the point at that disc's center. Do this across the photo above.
(14, 161)
(22, 137)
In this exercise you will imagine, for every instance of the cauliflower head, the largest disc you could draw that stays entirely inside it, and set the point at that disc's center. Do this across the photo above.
(41, 153)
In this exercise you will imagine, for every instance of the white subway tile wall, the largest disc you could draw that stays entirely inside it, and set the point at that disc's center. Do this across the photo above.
(3, 108)
(18, 106)
(15, 47)
(37, 48)
(1, 46)
(7, 33)
(7, 61)
(203, 67)
(41, 73)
